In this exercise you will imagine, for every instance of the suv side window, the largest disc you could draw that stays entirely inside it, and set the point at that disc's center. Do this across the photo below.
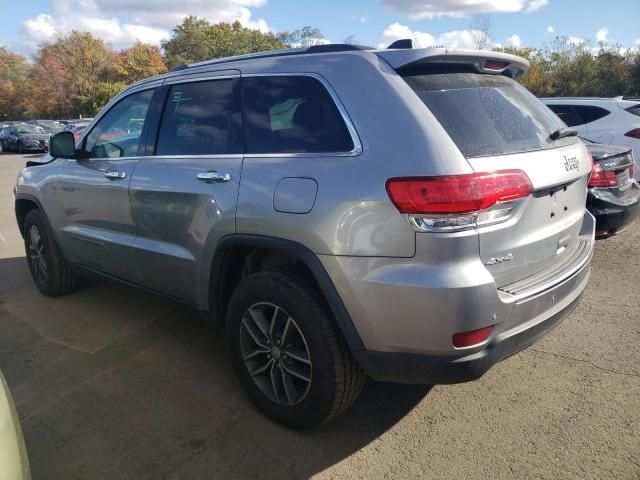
(117, 133)
(590, 113)
(198, 119)
(567, 114)
(292, 114)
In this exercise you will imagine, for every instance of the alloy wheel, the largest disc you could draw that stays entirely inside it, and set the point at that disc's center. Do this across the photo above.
(275, 353)
(37, 253)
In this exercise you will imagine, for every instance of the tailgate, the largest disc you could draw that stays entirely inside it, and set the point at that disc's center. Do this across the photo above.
(545, 227)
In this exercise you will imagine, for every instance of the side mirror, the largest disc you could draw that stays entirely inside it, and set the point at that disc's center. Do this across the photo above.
(62, 145)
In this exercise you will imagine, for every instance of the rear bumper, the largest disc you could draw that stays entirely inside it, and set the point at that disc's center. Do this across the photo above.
(423, 369)
(614, 212)
(406, 311)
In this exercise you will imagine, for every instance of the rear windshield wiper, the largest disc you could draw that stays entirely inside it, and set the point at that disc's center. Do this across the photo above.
(562, 133)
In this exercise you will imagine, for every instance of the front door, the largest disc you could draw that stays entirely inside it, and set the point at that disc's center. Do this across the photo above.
(184, 196)
(93, 191)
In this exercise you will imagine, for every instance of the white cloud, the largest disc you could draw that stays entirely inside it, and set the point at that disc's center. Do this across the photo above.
(536, 5)
(550, 30)
(601, 35)
(514, 41)
(147, 20)
(576, 40)
(419, 9)
(454, 39)
(637, 41)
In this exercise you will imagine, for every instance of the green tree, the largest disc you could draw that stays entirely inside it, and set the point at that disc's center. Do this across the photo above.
(196, 40)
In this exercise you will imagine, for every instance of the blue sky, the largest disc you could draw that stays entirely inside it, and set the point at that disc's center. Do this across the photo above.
(529, 23)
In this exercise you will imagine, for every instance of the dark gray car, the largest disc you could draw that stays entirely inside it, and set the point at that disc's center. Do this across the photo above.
(413, 215)
(25, 138)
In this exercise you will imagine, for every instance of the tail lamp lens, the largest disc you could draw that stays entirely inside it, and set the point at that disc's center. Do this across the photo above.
(601, 178)
(457, 194)
(469, 339)
(635, 133)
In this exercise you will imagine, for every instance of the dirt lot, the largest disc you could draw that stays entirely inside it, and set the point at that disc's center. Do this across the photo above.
(114, 383)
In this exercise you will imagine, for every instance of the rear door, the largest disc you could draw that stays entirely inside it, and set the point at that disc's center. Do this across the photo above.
(499, 125)
(184, 192)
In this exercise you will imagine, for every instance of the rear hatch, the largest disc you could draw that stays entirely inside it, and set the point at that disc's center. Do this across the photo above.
(499, 125)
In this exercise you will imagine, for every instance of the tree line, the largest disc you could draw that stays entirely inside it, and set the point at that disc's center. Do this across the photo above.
(77, 74)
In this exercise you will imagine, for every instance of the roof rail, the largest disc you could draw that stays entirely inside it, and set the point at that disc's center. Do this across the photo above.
(328, 48)
(400, 44)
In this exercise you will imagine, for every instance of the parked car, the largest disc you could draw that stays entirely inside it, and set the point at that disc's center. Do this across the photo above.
(76, 128)
(327, 242)
(614, 195)
(25, 138)
(49, 126)
(607, 121)
(14, 462)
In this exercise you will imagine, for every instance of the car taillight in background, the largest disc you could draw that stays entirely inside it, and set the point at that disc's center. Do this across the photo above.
(635, 133)
(458, 202)
(601, 178)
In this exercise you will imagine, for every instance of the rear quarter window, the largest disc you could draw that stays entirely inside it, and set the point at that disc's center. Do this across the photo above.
(590, 113)
(292, 114)
(487, 114)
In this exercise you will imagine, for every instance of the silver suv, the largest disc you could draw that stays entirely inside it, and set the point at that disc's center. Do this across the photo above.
(413, 215)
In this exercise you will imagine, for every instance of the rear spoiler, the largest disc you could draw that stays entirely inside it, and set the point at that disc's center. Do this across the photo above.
(483, 61)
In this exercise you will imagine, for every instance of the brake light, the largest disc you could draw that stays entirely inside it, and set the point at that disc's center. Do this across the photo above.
(457, 194)
(601, 178)
(635, 133)
(469, 339)
(495, 65)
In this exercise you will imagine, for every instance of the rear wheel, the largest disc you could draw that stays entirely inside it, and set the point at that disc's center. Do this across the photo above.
(289, 357)
(51, 273)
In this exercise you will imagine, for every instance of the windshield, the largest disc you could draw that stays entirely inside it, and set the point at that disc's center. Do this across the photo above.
(27, 129)
(488, 114)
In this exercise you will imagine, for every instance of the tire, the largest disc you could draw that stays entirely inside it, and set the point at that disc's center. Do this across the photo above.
(335, 379)
(1, 149)
(20, 147)
(51, 273)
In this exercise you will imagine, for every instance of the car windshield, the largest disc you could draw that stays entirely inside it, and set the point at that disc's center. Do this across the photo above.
(488, 114)
(27, 129)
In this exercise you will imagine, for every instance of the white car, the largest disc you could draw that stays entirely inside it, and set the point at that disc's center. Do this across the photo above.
(610, 121)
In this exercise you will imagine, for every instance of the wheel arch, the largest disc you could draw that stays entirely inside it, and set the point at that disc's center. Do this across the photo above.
(235, 251)
(23, 205)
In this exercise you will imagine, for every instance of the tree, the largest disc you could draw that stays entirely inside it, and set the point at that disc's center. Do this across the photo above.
(196, 40)
(138, 62)
(305, 37)
(480, 26)
(13, 76)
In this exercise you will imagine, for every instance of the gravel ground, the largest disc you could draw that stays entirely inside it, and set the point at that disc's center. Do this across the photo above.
(114, 383)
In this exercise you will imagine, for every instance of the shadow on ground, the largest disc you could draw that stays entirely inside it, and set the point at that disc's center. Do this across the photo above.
(111, 382)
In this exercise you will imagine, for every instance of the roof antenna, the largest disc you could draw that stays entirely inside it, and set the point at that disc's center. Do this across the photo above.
(401, 44)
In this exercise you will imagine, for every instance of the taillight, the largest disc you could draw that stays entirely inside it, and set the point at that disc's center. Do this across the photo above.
(635, 133)
(602, 178)
(495, 65)
(457, 201)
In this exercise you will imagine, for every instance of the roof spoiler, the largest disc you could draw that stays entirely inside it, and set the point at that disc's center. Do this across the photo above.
(404, 58)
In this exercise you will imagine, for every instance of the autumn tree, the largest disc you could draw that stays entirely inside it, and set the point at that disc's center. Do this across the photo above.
(195, 40)
(140, 61)
(13, 76)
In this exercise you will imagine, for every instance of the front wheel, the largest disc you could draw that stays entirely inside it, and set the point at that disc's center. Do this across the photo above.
(287, 353)
(51, 273)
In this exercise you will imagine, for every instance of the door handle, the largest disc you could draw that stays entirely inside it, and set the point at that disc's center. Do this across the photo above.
(115, 175)
(211, 177)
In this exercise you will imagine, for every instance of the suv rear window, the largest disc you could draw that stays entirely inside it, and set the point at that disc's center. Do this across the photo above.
(292, 114)
(487, 114)
(635, 110)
